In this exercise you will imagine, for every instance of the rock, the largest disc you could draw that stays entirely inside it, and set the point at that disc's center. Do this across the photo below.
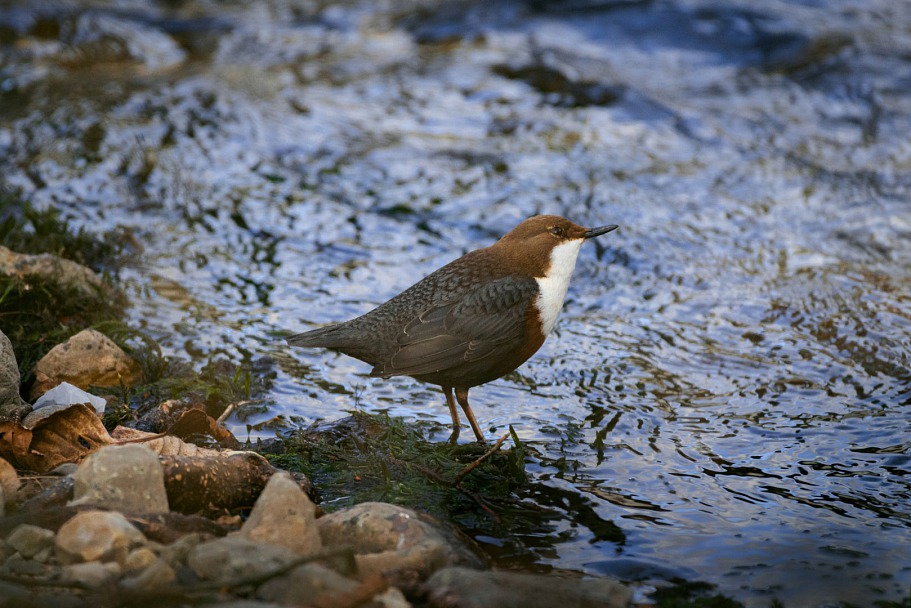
(29, 540)
(5, 550)
(387, 537)
(13, 595)
(16, 564)
(466, 588)
(96, 536)
(177, 552)
(123, 477)
(312, 581)
(65, 273)
(283, 515)
(90, 574)
(159, 575)
(242, 604)
(87, 359)
(139, 559)
(391, 598)
(67, 394)
(12, 406)
(227, 560)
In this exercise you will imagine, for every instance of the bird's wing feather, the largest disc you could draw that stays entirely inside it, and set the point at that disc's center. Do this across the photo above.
(477, 325)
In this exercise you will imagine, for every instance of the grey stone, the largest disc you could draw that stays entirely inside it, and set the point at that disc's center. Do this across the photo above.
(391, 598)
(90, 574)
(312, 581)
(16, 564)
(13, 595)
(12, 406)
(283, 515)
(5, 550)
(177, 552)
(124, 477)
(96, 536)
(234, 558)
(388, 537)
(466, 588)
(65, 273)
(67, 394)
(139, 559)
(87, 359)
(242, 604)
(158, 575)
(30, 540)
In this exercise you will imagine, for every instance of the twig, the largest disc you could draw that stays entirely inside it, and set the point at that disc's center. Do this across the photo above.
(472, 465)
(456, 482)
(230, 409)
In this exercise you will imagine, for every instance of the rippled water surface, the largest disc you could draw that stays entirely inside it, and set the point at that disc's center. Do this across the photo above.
(729, 382)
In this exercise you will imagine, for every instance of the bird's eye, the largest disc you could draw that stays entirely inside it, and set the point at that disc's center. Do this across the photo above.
(557, 231)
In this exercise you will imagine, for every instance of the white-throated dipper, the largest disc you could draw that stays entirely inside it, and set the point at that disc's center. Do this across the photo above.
(473, 320)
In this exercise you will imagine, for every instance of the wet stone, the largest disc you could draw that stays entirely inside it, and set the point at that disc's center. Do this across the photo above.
(391, 598)
(5, 550)
(283, 515)
(158, 575)
(14, 595)
(387, 537)
(16, 564)
(87, 359)
(65, 273)
(462, 587)
(139, 559)
(90, 574)
(228, 560)
(30, 540)
(124, 477)
(96, 536)
(177, 552)
(312, 581)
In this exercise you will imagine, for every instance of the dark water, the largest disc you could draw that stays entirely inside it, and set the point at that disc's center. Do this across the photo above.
(730, 379)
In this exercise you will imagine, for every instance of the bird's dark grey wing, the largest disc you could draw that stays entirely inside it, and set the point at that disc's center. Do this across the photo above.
(466, 329)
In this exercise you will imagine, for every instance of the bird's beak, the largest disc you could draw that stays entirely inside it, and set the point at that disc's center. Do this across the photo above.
(593, 232)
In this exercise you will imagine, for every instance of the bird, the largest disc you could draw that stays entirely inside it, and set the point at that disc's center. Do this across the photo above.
(472, 321)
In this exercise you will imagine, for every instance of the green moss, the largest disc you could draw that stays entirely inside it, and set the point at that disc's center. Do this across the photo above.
(378, 458)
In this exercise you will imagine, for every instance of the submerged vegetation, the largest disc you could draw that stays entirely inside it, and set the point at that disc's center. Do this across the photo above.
(379, 458)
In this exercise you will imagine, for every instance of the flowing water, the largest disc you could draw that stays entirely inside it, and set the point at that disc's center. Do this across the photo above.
(729, 382)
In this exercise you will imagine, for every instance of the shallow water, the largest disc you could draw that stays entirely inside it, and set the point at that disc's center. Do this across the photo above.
(729, 382)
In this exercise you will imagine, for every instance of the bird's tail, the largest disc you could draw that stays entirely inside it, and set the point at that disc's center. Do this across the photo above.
(323, 337)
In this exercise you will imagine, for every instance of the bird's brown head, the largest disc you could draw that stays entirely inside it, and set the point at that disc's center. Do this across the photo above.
(530, 243)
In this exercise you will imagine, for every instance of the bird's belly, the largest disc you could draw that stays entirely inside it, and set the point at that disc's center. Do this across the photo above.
(474, 373)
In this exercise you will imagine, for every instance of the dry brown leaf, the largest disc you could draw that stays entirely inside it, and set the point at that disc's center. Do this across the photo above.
(196, 422)
(161, 445)
(9, 481)
(14, 442)
(51, 436)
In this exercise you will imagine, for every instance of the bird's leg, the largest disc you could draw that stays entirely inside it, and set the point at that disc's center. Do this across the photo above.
(447, 390)
(462, 396)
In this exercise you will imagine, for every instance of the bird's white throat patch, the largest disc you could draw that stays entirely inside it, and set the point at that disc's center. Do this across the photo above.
(554, 284)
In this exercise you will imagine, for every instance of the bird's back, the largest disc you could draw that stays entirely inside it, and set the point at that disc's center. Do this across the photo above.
(373, 337)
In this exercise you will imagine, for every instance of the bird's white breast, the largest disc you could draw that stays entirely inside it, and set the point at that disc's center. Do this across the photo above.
(554, 284)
